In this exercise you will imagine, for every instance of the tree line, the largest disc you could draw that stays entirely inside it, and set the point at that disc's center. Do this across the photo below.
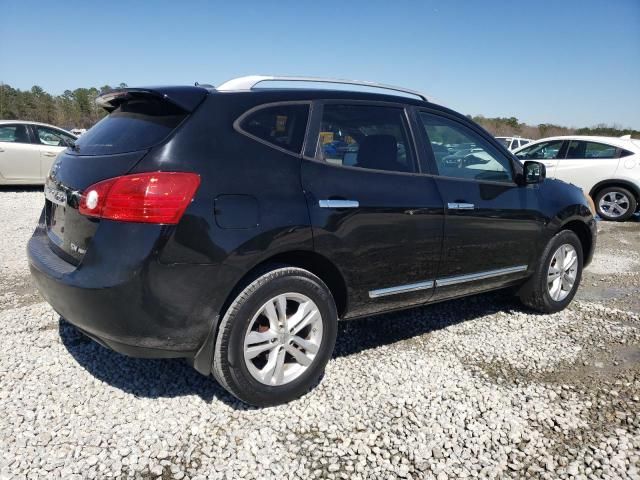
(72, 109)
(512, 127)
(77, 109)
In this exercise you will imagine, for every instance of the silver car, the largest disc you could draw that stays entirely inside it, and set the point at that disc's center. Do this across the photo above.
(27, 150)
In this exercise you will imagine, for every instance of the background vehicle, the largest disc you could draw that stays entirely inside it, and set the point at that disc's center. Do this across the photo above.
(27, 150)
(513, 143)
(606, 168)
(246, 239)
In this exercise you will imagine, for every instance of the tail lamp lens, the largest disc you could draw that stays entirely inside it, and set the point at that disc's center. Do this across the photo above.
(157, 197)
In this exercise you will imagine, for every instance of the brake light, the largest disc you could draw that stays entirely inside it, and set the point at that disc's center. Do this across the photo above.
(157, 197)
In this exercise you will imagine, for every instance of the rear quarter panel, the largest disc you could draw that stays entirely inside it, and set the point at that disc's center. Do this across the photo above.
(249, 206)
(585, 173)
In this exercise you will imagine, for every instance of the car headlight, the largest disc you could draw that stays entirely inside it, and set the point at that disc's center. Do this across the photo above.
(592, 206)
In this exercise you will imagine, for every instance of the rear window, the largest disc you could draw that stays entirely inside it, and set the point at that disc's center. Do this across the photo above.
(134, 125)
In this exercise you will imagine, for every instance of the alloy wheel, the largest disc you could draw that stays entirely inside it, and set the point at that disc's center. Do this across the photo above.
(562, 273)
(614, 204)
(283, 339)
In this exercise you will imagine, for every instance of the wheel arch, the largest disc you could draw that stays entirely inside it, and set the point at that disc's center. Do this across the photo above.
(632, 187)
(583, 232)
(309, 260)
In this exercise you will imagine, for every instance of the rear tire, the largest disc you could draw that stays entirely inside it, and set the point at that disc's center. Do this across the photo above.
(615, 204)
(558, 275)
(288, 315)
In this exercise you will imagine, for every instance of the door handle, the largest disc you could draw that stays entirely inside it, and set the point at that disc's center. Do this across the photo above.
(50, 154)
(338, 203)
(460, 206)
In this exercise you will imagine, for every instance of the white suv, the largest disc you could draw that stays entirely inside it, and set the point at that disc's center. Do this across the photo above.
(607, 168)
(513, 143)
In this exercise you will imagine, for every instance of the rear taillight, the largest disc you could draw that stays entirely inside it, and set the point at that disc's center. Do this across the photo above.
(157, 197)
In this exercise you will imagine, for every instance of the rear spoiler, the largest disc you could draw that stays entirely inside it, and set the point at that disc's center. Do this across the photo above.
(186, 98)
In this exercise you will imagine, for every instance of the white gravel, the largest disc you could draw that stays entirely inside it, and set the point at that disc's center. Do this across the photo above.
(475, 388)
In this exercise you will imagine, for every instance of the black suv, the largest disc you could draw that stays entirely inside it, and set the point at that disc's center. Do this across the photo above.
(234, 226)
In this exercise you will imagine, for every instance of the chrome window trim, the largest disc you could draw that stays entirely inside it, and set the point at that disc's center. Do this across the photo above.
(241, 118)
(412, 287)
(445, 282)
(472, 277)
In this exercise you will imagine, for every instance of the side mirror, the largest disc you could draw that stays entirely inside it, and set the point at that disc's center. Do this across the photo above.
(534, 172)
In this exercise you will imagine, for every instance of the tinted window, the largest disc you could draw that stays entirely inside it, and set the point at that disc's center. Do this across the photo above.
(461, 152)
(581, 149)
(515, 144)
(281, 125)
(14, 134)
(541, 151)
(365, 136)
(54, 138)
(625, 153)
(134, 125)
(523, 142)
(504, 141)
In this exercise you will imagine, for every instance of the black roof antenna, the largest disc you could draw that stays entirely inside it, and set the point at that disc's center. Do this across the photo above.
(205, 85)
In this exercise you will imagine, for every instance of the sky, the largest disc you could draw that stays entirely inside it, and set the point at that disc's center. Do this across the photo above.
(570, 62)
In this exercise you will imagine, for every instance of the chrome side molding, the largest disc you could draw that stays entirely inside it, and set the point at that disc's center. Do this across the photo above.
(445, 282)
(472, 277)
(338, 203)
(413, 287)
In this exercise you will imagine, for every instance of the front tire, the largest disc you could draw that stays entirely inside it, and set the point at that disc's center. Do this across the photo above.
(615, 204)
(276, 337)
(558, 275)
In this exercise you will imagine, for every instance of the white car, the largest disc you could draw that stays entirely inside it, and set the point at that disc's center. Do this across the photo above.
(27, 150)
(513, 143)
(607, 168)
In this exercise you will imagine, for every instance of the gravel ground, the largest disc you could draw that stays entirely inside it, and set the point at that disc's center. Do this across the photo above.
(474, 388)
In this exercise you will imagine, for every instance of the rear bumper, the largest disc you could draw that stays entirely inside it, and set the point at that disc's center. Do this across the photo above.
(125, 299)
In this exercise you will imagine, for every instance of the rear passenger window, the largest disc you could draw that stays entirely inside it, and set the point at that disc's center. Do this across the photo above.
(581, 149)
(365, 136)
(283, 126)
(14, 134)
(461, 153)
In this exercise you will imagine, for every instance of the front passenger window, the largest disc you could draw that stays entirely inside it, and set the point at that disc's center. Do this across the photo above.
(52, 138)
(462, 153)
(541, 151)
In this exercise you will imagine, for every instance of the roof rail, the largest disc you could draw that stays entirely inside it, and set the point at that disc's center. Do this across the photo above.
(250, 82)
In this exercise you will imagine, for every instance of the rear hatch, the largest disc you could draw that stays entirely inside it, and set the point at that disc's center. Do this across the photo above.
(138, 120)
